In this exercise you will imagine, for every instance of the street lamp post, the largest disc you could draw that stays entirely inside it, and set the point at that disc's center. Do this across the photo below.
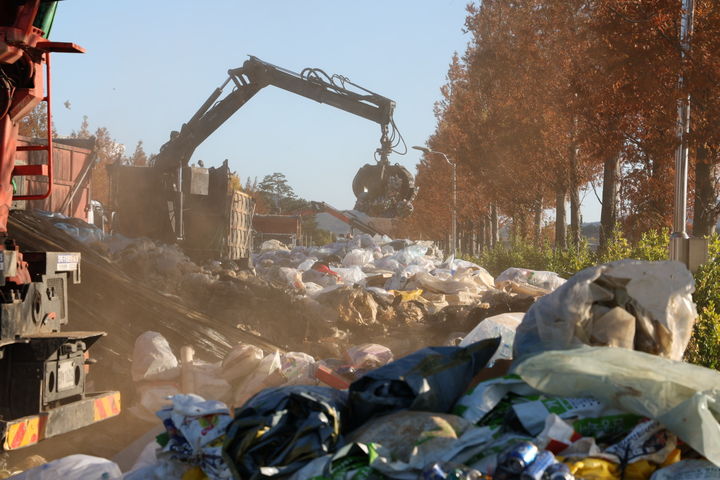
(679, 242)
(427, 151)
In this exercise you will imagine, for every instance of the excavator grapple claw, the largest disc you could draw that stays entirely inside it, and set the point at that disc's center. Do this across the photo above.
(384, 190)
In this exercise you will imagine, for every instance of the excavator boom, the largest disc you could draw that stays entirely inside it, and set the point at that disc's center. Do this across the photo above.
(248, 80)
(382, 189)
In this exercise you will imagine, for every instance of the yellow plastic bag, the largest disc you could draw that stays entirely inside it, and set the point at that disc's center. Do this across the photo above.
(595, 469)
(407, 296)
(194, 474)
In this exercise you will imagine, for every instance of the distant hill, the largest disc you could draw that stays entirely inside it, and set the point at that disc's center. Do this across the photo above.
(591, 231)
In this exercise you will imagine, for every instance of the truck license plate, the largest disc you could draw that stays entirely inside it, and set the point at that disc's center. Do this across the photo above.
(66, 375)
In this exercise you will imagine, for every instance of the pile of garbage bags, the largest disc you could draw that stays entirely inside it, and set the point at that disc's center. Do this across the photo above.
(391, 270)
(371, 287)
(589, 383)
(158, 374)
(318, 300)
(568, 409)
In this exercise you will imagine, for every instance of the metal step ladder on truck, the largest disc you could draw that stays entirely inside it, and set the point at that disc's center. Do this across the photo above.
(43, 369)
(171, 201)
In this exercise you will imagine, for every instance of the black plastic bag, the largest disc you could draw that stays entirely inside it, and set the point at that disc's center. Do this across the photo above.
(281, 429)
(431, 380)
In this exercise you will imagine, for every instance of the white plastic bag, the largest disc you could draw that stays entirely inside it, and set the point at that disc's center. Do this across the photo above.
(387, 263)
(267, 374)
(464, 284)
(312, 289)
(307, 264)
(685, 398)
(657, 294)
(408, 254)
(688, 470)
(153, 358)
(153, 397)
(74, 467)
(504, 326)
(207, 379)
(241, 361)
(292, 277)
(549, 281)
(357, 257)
(351, 275)
(273, 245)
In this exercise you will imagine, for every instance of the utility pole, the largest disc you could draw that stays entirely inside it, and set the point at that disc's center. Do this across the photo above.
(427, 151)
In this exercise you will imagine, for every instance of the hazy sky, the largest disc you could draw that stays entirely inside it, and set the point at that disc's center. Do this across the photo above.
(150, 64)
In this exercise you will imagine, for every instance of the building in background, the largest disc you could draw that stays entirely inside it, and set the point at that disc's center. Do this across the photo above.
(284, 228)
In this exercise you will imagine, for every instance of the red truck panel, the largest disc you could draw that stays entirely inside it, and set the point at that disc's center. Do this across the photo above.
(69, 162)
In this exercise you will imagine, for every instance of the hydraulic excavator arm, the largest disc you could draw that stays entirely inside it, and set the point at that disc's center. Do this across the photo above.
(354, 222)
(382, 189)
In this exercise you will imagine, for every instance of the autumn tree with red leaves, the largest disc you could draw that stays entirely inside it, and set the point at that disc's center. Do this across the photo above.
(553, 94)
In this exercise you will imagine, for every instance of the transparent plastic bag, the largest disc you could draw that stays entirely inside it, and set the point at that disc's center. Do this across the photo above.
(683, 397)
(74, 467)
(408, 254)
(357, 257)
(298, 368)
(549, 281)
(351, 275)
(153, 358)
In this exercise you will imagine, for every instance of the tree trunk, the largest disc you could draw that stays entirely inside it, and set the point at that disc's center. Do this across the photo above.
(560, 226)
(574, 197)
(523, 225)
(494, 227)
(481, 234)
(537, 220)
(513, 228)
(608, 214)
(487, 241)
(705, 211)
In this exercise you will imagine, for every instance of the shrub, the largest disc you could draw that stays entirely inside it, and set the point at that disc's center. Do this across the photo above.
(653, 245)
(704, 348)
(617, 247)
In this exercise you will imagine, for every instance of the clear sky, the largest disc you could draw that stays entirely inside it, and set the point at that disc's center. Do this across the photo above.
(151, 63)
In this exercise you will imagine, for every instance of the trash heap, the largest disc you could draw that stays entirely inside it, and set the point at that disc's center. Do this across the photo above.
(386, 269)
(376, 287)
(571, 404)
(317, 300)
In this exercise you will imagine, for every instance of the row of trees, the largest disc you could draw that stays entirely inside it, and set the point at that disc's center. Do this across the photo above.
(555, 97)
